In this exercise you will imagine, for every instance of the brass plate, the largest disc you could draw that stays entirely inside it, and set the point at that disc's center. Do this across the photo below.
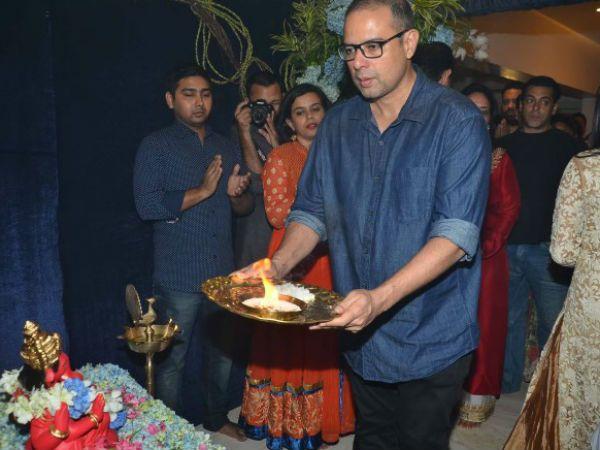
(230, 296)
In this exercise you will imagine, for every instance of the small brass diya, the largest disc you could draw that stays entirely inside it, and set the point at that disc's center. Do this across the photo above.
(241, 294)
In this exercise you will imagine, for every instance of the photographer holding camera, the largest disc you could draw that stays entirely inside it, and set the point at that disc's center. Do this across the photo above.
(257, 136)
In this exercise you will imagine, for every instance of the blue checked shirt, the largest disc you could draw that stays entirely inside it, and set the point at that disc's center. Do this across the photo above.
(196, 244)
(377, 198)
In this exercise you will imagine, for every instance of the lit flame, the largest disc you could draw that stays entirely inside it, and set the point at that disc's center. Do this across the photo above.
(271, 297)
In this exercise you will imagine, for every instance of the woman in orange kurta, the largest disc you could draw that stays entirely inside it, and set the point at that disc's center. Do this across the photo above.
(295, 394)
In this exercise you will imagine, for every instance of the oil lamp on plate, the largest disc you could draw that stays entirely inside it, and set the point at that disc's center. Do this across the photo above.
(269, 300)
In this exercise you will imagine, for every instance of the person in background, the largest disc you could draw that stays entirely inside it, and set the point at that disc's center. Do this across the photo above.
(295, 392)
(256, 138)
(178, 185)
(539, 154)
(581, 122)
(565, 123)
(569, 125)
(582, 138)
(436, 60)
(509, 109)
(484, 383)
(562, 408)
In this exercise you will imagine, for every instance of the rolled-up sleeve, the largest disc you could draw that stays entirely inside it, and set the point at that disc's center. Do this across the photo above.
(310, 221)
(462, 186)
(152, 201)
(308, 207)
(464, 234)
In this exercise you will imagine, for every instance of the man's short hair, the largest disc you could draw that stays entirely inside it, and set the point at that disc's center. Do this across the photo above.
(512, 85)
(401, 10)
(434, 58)
(543, 81)
(262, 78)
(179, 73)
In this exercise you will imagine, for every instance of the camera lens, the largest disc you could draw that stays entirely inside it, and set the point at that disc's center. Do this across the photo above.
(259, 111)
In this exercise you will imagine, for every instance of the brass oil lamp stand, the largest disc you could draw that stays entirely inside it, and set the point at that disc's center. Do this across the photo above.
(145, 336)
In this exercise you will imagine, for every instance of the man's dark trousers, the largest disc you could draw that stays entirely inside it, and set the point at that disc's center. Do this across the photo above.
(412, 415)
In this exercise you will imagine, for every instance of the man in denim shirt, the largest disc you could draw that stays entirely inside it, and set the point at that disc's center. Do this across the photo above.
(187, 181)
(396, 181)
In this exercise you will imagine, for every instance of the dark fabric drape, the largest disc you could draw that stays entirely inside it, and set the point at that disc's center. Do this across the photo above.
(30, 277)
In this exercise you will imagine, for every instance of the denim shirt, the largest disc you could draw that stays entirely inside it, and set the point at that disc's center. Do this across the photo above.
(193, 245)
(378, 198)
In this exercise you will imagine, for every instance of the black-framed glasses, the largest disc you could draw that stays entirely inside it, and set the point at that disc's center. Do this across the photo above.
(369, 49)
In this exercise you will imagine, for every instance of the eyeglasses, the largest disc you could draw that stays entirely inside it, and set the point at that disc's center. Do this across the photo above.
(370, 49)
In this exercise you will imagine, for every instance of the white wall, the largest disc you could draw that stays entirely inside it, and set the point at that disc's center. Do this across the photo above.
(534, 43)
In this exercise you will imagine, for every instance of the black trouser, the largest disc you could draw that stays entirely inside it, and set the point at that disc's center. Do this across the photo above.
(413, 415)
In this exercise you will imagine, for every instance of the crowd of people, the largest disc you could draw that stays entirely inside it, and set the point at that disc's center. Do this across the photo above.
(431, 210)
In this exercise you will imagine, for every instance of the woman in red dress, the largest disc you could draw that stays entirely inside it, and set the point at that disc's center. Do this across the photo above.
(484, 383)
(295, 394)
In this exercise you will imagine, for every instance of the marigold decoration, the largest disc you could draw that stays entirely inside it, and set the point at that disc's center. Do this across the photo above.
(213, 20)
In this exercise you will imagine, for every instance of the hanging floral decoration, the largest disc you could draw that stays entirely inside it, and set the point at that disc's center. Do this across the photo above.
(217, 22)
(316, 27)
(307, 40)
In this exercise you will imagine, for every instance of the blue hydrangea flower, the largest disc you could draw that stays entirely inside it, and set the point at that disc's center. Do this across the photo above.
(314, 75)
(443, 34)
(119, 421)
(333, 69)
(81, 400)
(181, 434)
(336, 12)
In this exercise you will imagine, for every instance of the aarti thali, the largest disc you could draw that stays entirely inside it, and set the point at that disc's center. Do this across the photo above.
(243, 299)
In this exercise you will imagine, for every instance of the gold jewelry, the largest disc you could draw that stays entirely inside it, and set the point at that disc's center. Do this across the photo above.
(40, 350)
(94, 419)
(57, 433)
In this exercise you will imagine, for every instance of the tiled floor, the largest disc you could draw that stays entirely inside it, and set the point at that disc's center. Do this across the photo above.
(490, 436)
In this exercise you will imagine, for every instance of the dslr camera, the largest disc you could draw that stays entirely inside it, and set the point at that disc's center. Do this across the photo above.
(259, 111)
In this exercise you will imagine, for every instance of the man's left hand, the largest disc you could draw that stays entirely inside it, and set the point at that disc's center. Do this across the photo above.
(237, 184)
(355, 312)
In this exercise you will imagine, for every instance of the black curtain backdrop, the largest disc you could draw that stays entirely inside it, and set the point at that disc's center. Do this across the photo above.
(80, 86)
(30, 278)
(111, 58)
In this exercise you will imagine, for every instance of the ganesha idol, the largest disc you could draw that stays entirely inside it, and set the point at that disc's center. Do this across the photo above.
(46, 364)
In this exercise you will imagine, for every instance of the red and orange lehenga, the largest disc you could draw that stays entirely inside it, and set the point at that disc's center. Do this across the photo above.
(483, 385)
(295, 394)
